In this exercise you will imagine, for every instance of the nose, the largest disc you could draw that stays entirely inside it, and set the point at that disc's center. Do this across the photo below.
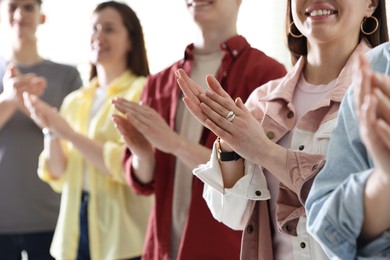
(96, 38)
(18, 14)
(97, 34)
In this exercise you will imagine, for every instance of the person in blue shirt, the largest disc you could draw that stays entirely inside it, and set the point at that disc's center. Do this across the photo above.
(348, 206)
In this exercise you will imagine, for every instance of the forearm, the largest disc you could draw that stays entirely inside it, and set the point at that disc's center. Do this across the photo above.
(55, 157)
(376, 207)
(190, 153)
(144, 167)
(273, 158)
(231, 171)
(91, 150)
(7, 109)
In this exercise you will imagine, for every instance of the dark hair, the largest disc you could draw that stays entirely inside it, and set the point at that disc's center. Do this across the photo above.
(298, 46)
(137, 60)
(38, 1)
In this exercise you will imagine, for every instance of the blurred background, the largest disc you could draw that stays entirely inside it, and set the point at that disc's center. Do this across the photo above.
(167, 30)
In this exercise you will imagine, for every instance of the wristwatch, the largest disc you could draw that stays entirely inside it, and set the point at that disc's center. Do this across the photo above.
(226, 156)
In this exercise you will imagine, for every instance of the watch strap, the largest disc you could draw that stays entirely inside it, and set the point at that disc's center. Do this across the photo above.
(226, 156)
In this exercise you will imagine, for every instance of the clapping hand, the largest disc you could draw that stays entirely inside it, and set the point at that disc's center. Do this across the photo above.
(15, 84)
(47, 116)
(134, 139)
(230, 120)
(372, 98)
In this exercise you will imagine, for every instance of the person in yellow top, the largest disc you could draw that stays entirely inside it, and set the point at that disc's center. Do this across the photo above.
(100, 217)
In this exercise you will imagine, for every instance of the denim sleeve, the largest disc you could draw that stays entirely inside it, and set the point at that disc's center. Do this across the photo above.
(335, 203)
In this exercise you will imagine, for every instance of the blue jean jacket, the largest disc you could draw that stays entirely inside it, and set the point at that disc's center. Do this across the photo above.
(335, 206)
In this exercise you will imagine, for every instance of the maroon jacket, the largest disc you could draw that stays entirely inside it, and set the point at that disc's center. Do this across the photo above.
(243, 68)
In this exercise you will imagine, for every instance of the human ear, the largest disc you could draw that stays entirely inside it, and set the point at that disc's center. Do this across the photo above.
(42, 19)
(373, 4)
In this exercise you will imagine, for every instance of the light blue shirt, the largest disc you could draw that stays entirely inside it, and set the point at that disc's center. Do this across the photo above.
(335, 206)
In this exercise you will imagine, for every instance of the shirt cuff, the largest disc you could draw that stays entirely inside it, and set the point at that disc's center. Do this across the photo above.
(252, 185)
(232, 206)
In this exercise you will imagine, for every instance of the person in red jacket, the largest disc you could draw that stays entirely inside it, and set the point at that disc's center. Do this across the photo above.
(165, 142)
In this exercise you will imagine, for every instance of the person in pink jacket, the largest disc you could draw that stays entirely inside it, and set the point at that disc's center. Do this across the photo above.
(270, 149)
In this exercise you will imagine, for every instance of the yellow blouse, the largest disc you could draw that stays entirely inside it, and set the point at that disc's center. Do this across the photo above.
(117, 216)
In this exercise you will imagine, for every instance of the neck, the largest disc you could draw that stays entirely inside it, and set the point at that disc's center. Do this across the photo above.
(209, 40)
(324, 63)
(106, 75)
(24, 53)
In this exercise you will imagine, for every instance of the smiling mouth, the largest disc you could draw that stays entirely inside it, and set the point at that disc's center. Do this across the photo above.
(320, 12)
(198, 3)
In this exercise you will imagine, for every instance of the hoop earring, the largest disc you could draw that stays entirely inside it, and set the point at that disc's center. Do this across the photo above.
(293, 34)
(374, 30)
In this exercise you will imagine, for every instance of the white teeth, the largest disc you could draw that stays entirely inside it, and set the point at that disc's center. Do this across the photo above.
(198, 4)
(321, 12)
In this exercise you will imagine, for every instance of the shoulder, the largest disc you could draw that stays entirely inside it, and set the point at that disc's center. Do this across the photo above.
(135, 88)
(57, 65)
(52, 69)
(380, 58)
(264, 91)
(379, 50)
(60, 68)
(255, 54)
(255, 59)
(164, 76)
(67, 75)
(74, 96)
(168, 70)
(258, 54)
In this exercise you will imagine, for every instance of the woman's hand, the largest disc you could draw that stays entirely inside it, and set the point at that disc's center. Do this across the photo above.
(228, 119)
(191, 91)
(372, 100)
(47, 116)
(135, 140)
(147, 121)
(372, 96)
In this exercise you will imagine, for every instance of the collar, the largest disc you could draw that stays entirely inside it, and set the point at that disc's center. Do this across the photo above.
(122, 82)
(285, 88)
(233, 47)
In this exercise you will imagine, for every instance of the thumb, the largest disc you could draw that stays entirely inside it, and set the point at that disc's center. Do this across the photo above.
(12, 70)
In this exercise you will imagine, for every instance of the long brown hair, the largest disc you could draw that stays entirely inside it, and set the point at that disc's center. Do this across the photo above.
(137, 60)
(298, 46)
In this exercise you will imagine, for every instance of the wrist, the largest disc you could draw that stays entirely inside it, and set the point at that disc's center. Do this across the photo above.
(225, 156)
(11, 103)
(143, 168)
(180, 146)
(48, 134)
(224, 147)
